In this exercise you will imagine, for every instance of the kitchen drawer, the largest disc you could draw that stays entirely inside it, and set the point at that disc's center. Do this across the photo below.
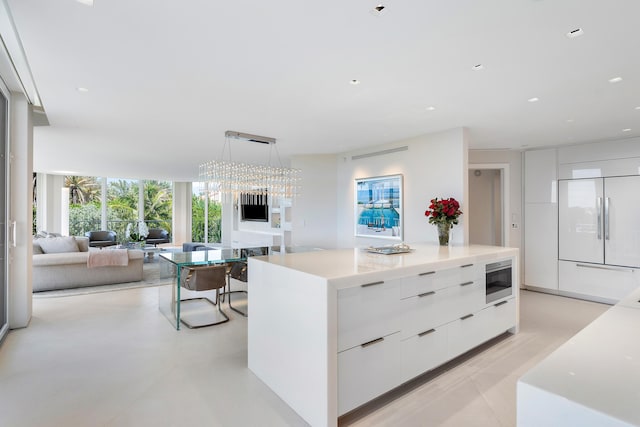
(368, 312)
(499, 317)
(423, 352)
(454, 276)
(466, 297)
(476, 328)
(464, 334)
(425, 311)
(597, 280)
(431, 280)
(367, 371)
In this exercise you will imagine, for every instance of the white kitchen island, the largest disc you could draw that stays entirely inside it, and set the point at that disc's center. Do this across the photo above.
(591, 380)
(331, 330)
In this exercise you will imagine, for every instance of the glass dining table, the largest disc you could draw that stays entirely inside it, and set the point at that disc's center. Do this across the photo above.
(171, 264)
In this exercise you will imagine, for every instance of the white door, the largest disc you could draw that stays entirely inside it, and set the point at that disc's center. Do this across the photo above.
(580, 231)
(622, 221)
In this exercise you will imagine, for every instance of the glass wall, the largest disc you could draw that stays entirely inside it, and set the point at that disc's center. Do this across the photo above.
(125, 204)
(205, 228)
(122, 204)
(85, 204)
(158, 203)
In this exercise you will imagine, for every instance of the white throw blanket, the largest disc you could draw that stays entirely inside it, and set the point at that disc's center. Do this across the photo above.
(108, 257)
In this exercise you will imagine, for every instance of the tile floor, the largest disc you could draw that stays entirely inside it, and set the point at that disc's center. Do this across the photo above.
(111, 359)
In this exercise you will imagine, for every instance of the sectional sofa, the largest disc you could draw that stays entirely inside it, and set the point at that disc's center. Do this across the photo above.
(62, 262)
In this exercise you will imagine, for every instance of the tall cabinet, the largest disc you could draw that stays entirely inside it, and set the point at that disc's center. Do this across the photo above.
(582, 219)
(541, 219)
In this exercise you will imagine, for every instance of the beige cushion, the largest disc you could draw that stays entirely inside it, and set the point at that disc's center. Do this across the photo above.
(56, 245)
(37, 250)
(83, 243)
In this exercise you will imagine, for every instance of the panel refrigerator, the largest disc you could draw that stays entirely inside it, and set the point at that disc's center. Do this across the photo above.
(599, 235)
(599, 220)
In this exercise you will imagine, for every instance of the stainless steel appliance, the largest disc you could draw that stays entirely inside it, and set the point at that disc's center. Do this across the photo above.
(499, 280)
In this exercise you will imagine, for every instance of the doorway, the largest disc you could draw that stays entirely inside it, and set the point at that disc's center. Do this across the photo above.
(488, 202)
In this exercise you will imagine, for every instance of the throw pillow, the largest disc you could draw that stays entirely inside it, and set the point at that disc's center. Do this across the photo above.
(37, 250)
(56, 245)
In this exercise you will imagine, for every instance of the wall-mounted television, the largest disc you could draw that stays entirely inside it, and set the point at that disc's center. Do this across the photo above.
(254, 207)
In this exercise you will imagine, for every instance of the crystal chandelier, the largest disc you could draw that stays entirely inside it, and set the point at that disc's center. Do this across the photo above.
(229, 179)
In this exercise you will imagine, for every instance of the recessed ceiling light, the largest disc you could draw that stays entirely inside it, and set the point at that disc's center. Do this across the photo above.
(478, 67)
(615, 80)
(86, 2)
(82, 89)
(569, 120)
(626, 130)
(534, 99)
(575, 33)
(431, 108)
(354, 82)
(377, 11)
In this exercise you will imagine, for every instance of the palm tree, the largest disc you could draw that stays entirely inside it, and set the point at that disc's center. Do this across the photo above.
(82, 189)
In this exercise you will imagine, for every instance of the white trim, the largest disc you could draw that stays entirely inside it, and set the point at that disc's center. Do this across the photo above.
(505, 179)
(4, 279)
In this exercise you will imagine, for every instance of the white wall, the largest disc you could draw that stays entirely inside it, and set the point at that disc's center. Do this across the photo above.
(314, 213)
(434, 165)
(49, 217)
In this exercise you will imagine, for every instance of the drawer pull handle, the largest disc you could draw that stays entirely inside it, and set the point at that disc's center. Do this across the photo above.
(426, 294)
(373, 283)
(500, 303)
(466, 317)
(466, 265)
(466, 283)
(598, 267)
(427, 273)
(372, 342)
(430, 331)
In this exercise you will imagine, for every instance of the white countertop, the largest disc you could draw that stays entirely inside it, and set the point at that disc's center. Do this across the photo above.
(598, 369)
(346, 263)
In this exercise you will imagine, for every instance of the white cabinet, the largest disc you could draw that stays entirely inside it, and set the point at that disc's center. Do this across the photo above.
(425, 311)
(367, 371)
(597, 280)
(423, 352)
(476, 328)
(394, 330)
(499, 317)
(540, 176)
(541, 245)
(464, 334)
(622, 221)
(540, 219)
(367, 312)
(598, 229)
(580, 220)
(466, 297)
(369, 321)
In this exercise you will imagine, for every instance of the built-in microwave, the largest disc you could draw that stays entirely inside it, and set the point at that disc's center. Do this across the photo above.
(498, 275)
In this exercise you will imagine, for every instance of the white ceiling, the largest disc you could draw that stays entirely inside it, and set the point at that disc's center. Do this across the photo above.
(166, 78)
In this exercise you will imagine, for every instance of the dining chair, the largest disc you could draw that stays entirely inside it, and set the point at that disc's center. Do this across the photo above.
(203, 278)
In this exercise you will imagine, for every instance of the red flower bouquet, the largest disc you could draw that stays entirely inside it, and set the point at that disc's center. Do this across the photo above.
(443, 211)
